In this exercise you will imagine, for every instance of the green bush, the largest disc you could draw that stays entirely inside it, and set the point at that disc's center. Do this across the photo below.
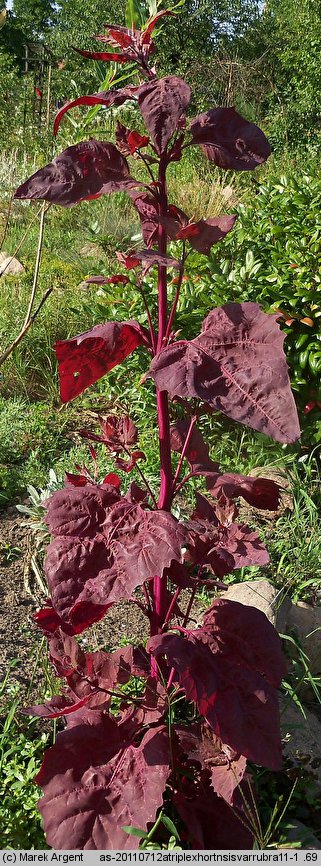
(272, 257)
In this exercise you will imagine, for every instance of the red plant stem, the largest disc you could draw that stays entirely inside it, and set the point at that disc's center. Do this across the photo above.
(166, 476)
(172, 605)
(170, 678)
(143, 477)
(139, 604)
(148, 313)
(184, 449)
(146, 594)
(177, 294)
(184, 481)
(189, 606)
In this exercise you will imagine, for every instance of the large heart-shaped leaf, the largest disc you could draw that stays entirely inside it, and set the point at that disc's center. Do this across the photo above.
(83, 171)
(237, 702)
(161, 103)
(229, 140)
(237, 365)
(84, 359)
(130, 545)
(104, 782)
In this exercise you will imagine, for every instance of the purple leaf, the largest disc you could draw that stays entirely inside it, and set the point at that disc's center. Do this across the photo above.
(79, 511)
(148, 215)
(104, 782)
(229, 140)
(131, 545)
(174, 221)
(102, 56)
(161, 103)
(86, 358)
(237, 365)
(83, 171)
(225, 766)
(59, 705)
(210, 823)
(48, 620)
(151, 257)
(147, 257)
(205, 233)
(259, 492)
(116, 279)
(238, 703)
(197, 453)
(246, 636)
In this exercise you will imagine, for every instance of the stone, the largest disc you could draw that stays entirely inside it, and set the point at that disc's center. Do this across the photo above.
(305, 621)
(10, 266)
(301, 737)
(277, 474)
(262, 595)
(92, 251)
(83, 286)
(228, 195)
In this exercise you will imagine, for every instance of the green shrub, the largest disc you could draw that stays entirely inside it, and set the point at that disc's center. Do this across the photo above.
(273, 257)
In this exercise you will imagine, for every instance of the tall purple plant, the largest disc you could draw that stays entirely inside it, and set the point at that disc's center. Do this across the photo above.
(109, 771)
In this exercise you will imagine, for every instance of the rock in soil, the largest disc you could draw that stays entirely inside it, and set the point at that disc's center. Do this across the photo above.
(10, 266)
(262, 595)
(301, 737)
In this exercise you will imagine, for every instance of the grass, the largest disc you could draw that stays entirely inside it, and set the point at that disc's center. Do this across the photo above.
(21, 748)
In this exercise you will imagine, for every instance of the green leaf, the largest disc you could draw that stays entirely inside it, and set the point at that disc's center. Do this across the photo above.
(168, 823)
(134, 15)
(135, 831)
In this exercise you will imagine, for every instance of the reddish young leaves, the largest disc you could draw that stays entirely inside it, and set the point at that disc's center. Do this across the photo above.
(225, 766)
(205, 233)
(161, 103)
(105, 782)
(152, 23)
(237, 365)
(229, 140)
(48, 620)
(129, 141)
(224, 547)
(86, 358)
(84, 171)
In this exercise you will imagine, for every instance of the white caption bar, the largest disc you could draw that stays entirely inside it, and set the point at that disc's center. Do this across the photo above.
(96, 858)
